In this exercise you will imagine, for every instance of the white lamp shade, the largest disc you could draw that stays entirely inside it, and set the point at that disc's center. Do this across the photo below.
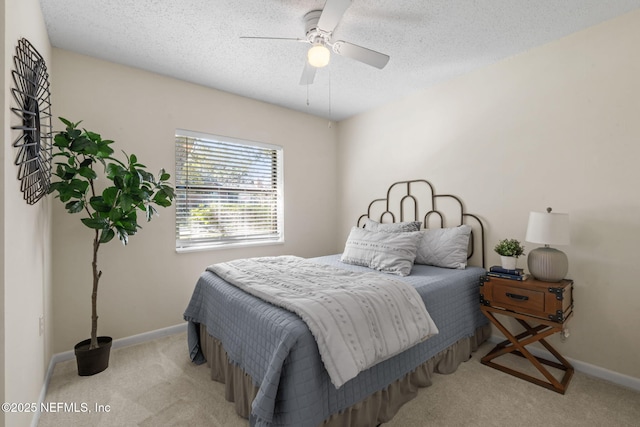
(318, 55)
(548, 228)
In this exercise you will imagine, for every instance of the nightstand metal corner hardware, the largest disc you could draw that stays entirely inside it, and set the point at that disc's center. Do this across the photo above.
(559, 293)
(559, 316)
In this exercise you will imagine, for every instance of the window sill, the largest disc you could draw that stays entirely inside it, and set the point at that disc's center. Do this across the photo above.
(227, 246)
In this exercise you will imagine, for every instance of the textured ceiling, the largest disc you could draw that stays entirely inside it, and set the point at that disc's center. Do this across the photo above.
(428, 41)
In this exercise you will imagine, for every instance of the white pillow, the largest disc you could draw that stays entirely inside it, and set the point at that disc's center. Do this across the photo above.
(396, 227)
(386, 252)
(444, 247)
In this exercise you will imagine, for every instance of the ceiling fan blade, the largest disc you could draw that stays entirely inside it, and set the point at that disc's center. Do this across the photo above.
(362, 54)
(332, 14)
(308, 74)
(276, 38)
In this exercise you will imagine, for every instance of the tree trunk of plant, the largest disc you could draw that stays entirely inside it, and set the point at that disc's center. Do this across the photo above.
(94, 294)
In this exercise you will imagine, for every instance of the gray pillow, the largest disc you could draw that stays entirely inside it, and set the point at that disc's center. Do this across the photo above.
(382, 251)
(396, 227)
(444, 247)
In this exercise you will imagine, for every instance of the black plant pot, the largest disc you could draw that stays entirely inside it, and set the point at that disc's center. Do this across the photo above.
(91, 362)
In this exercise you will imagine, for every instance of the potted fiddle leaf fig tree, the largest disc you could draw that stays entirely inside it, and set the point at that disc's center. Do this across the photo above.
(111, 209)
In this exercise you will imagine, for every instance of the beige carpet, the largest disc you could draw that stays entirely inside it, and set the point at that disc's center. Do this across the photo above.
(155, 384)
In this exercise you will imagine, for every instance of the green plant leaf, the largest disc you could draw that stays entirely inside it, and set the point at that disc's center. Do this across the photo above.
(119, 182)
(135, 179)
(126, 202)
(114, 170)
(83, 145)
(79, 185)
(146, 176)
(109, 195)
(126, 226)
(75, 206)
(104, 151)
(87, 172)
(66, 193)
(142, 194)
(99, 205)
(64, 196)
(151, 211)
(167, 190)
(95, 223)
(115, 215)
(95, 137)
(67, 122)
(64, 171)
(130, 221)
(60, 171)
(61, 140)
(122, 235)
(73, 189)
(55, 186)
(161, 199)
(107, 235)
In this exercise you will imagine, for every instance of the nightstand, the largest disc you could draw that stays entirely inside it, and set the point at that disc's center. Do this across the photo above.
(547, 305)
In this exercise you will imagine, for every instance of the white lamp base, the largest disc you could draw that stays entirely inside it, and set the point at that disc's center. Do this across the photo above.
(548, 264)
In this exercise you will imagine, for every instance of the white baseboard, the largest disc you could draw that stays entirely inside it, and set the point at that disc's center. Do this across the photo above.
(148, 336)
(584, 367)
(119, 343)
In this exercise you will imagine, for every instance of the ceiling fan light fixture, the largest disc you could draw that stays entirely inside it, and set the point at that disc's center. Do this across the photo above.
(318, 55)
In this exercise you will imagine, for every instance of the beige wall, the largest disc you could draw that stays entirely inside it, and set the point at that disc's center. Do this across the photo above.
(146, 285)
(3, 121)
(26, 240)
(557, 126)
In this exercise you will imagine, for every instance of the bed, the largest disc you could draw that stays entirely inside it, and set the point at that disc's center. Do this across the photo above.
(270, 362)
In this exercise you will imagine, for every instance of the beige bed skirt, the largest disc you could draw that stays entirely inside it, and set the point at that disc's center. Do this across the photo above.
(377, 408)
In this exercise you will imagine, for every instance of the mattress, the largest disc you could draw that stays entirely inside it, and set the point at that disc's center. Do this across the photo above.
(277, 351)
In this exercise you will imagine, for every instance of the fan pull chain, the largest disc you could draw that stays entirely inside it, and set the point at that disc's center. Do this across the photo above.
(307, 95)
(329, 124)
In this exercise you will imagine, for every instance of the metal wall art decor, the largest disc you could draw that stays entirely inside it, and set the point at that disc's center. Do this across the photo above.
(31, 93)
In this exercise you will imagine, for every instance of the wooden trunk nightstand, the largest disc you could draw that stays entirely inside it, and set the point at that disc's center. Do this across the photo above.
(549, 305)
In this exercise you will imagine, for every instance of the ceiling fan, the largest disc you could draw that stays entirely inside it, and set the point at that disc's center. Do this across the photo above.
(319, 31)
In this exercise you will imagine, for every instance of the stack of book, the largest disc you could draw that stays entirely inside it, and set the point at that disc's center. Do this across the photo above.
(504, 273)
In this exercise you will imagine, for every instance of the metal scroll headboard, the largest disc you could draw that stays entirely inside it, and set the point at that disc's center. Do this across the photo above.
(416, 200)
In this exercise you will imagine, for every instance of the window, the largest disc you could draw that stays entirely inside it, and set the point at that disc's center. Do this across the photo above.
(228, 191)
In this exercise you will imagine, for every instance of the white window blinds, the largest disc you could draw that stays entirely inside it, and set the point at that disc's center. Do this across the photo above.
(228, 191)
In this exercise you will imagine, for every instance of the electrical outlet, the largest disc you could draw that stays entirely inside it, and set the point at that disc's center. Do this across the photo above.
(41, 325)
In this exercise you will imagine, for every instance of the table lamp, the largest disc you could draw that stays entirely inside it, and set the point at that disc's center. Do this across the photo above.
(546, 263)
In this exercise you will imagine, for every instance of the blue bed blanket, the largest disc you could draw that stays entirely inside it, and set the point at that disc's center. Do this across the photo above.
(277, 350)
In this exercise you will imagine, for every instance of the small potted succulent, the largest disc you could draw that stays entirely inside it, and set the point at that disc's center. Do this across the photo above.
(509, 251)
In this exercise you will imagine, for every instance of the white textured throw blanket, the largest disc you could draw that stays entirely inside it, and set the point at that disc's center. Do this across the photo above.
(357, 319)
